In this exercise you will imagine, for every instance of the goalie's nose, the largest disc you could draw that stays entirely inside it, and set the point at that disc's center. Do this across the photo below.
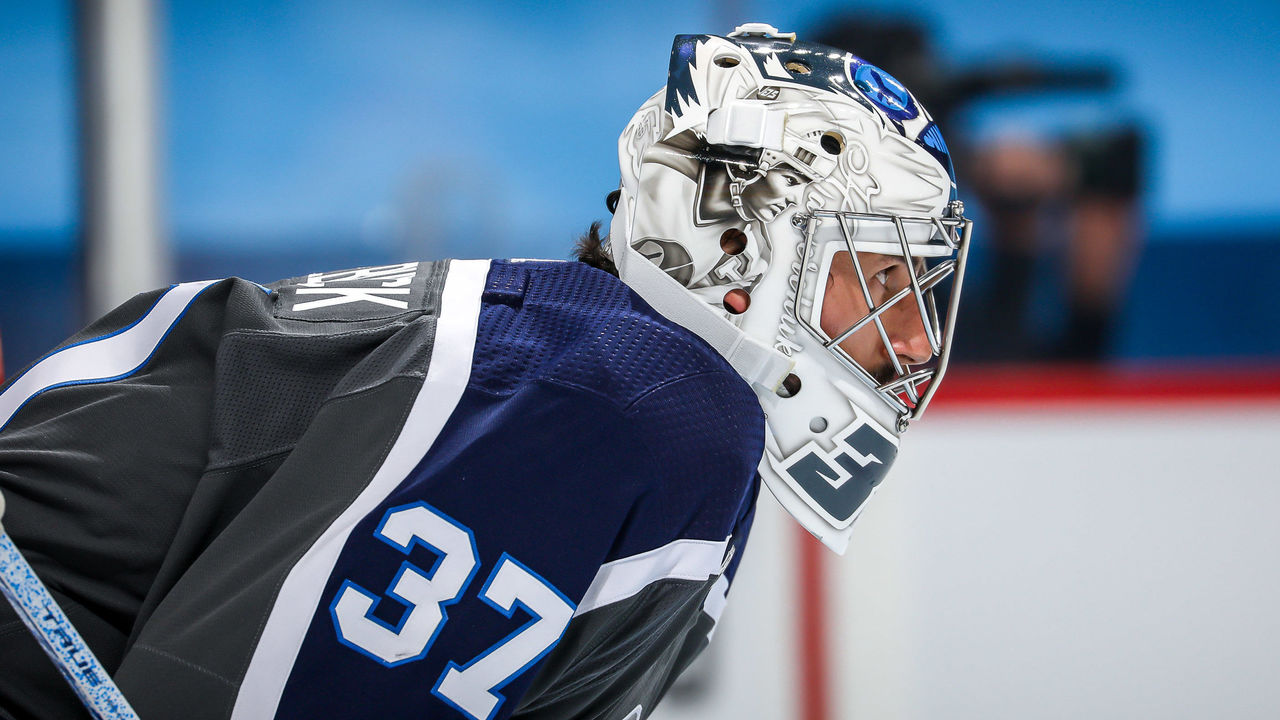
(907, 333)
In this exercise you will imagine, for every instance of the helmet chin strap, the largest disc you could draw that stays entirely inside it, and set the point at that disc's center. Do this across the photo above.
(756, 362)
(736, 186)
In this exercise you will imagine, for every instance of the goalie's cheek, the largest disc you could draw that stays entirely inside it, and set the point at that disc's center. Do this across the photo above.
(843, 305)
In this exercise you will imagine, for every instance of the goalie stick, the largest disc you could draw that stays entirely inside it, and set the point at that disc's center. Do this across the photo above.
(41, 614)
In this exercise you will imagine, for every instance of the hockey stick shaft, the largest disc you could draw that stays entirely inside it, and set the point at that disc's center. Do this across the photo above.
(41, 614)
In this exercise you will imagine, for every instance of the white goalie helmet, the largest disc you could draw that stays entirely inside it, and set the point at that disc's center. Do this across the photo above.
(795, 206)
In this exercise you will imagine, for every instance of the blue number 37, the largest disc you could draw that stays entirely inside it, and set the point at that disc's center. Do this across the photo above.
(470, 688)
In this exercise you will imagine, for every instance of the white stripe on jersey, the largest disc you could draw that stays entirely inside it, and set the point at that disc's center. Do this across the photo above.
(109, 357)
(447, 376)
(677, 560)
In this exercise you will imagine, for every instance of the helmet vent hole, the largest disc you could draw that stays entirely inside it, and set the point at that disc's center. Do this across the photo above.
(790, 386)
(818, 425)
(737, 301)
(797, 67)
(611, 200)
(832, 143)
(726, 61)
(733, 241)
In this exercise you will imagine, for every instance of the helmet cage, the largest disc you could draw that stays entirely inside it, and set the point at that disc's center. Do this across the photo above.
(941, 255)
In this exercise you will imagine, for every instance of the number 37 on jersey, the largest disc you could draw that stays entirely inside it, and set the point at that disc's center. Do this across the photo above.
(470, 687)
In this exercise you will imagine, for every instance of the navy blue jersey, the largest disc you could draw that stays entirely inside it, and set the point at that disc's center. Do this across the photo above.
(465, 489)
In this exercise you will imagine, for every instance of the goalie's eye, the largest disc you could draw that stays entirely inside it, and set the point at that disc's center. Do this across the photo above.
(882, 277)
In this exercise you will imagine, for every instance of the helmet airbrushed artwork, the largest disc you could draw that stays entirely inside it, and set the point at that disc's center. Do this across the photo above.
(765, 173)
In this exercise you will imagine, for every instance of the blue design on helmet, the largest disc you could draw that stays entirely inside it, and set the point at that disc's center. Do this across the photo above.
(931, 140)
(679, 82)
(826, 66)
(883, 90)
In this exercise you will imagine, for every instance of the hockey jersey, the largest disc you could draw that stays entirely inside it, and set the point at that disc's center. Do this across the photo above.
(457, 489)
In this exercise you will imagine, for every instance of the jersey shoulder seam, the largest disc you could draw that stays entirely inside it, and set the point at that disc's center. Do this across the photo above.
(664, 384)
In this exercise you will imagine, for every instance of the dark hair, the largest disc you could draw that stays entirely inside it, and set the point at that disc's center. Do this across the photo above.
(590, 250)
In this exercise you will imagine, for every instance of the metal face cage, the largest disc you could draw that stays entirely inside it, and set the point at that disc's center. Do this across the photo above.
(934, 249)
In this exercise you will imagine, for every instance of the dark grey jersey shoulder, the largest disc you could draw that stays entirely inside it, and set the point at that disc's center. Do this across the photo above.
(139, 472)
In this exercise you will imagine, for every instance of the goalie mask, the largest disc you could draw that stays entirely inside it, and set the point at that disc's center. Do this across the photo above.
(795, 206)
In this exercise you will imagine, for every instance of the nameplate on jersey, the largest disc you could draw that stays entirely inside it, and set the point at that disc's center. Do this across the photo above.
(358, 294)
